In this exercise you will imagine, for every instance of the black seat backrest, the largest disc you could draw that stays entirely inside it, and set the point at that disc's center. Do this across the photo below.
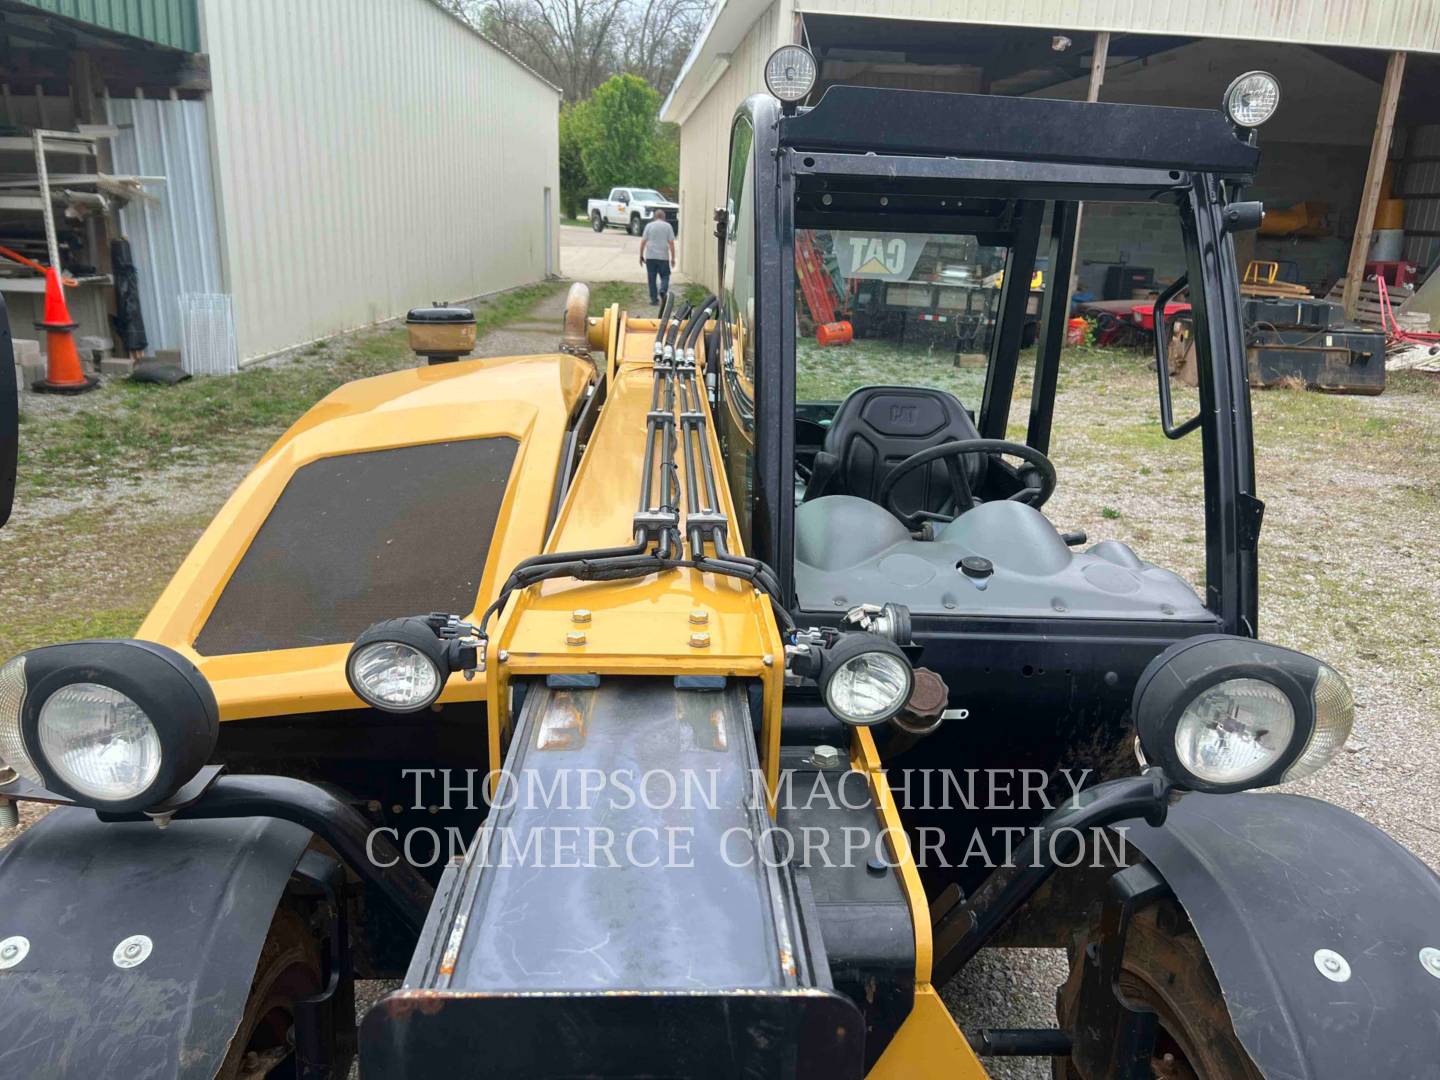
(876, 428)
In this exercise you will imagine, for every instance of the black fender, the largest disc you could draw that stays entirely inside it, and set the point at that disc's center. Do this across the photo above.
(1268, 880)
(203, 892)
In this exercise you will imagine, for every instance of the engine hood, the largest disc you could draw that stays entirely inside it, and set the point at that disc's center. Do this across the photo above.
(400, 494)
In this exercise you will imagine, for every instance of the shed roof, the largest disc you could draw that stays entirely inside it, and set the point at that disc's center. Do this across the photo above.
(173, 24)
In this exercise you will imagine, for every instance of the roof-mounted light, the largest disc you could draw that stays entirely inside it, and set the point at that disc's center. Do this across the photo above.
(1252, 98)
(790, 73)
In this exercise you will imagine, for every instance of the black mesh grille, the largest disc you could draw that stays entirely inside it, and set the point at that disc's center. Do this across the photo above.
(358, 538)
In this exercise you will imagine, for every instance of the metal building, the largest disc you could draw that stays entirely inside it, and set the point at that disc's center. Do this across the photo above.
(1356, 129)
(310, 168)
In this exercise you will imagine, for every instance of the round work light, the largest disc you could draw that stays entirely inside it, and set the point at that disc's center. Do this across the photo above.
(1252, 98)
(865, 679)
(398, 666)
(790, 73)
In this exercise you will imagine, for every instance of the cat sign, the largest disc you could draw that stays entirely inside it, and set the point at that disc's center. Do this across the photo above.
(879, 256)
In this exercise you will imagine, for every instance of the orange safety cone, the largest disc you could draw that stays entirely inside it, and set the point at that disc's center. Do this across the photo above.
(63, 373)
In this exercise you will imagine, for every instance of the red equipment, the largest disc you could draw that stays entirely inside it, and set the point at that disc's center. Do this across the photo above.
(819, 292)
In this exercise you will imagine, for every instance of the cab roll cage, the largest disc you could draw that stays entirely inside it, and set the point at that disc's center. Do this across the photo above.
(1036, 152)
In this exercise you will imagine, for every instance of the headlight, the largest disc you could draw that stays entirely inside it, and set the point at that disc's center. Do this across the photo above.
(99, 741)
(1252, 98)
(399, 665)
(115, 725)
(790, 73)
(1235, 730)
(866, 679)
(1222, 713)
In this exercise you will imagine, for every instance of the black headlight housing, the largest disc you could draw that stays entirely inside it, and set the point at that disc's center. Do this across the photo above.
(172, 693)
(1176, 678)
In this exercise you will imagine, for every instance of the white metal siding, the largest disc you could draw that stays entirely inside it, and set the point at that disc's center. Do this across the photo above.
(1379, 24)
(174, 239)
(705, 144)
(372, 155)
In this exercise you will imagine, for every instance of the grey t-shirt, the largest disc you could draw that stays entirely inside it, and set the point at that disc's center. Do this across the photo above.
(656, 240)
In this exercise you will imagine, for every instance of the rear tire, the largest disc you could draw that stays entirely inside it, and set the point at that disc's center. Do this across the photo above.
(289, 970)
(597, 222)
(1165, 967)
(636, 225)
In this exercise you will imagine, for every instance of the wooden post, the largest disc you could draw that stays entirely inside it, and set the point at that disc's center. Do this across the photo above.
(1374, 173)
(1097, 79)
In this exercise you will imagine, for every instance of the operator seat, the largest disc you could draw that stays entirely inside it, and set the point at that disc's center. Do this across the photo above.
(876, 428)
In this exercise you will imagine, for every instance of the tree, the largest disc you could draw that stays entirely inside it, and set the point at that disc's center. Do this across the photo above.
(578, 44)
(575, 132)
(570, 42)
(659, 34)
(620, 145)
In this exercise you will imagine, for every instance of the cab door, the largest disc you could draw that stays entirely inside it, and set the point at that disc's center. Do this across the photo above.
(735, 420)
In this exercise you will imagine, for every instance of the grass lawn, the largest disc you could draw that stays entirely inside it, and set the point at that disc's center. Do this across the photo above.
(115, 486)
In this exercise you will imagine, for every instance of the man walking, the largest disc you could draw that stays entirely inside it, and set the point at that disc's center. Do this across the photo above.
(657, 255)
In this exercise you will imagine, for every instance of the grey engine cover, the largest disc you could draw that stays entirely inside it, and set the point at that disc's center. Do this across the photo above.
(849, 551)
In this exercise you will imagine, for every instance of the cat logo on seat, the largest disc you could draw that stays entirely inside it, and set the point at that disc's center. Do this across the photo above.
(903, 414)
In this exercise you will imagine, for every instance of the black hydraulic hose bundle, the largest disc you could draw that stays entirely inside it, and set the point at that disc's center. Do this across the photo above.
(678, 330)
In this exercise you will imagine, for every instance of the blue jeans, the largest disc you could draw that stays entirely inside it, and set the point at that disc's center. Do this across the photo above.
(657, 269)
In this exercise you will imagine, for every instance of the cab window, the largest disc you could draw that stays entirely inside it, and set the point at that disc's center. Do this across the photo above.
(908, 308)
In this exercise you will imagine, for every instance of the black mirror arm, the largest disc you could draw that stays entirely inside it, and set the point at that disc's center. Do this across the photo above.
(1162, 364)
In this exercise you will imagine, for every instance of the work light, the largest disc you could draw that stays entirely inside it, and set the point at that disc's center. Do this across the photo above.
(1252, 98)
(1222, 713)
(790, 73)
(865, 679)
(401, 665)
(114, 725)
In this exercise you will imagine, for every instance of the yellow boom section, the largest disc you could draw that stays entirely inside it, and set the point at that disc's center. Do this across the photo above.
(680, 622)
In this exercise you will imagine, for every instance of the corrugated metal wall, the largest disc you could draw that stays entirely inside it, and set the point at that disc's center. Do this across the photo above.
(174, 239)
(371, 157)
(1421, 178)
(1381, 24)
(164, 22)
(705, 145)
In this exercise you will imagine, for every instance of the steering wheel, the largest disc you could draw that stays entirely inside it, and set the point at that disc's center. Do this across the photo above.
(951, 453)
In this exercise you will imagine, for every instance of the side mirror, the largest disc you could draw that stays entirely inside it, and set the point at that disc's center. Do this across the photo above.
(9, 417)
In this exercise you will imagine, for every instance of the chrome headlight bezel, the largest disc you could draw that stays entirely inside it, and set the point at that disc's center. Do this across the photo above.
(169, 690)
(1176, 678)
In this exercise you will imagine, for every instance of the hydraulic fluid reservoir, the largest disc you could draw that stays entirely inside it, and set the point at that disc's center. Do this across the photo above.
(441, 333)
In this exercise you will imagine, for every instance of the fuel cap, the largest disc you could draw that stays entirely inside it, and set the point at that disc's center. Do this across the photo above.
(976, 566)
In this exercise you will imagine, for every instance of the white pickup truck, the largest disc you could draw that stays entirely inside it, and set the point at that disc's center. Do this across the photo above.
(631, 208)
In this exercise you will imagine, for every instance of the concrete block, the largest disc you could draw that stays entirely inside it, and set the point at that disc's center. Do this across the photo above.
(26, 351)
(117, 366)
(32, 371)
